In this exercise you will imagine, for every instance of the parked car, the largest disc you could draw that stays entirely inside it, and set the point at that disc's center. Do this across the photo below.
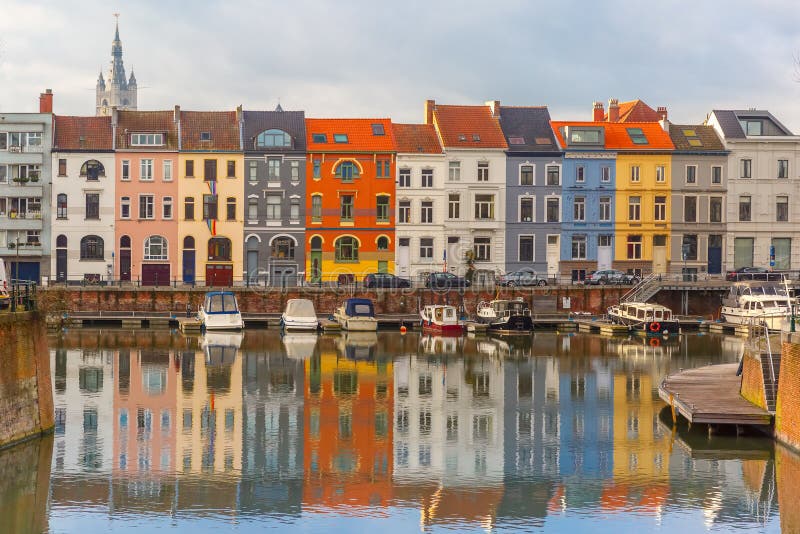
(445, 281)
(748, 273)
(610, 276)
(386, 280)
(522, 278)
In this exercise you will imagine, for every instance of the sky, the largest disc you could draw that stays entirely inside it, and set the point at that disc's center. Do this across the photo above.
(372, 58)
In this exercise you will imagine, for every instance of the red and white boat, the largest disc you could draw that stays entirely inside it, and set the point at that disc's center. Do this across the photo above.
(441, 319)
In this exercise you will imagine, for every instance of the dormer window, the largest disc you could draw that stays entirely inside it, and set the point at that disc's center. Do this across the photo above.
(319, 138)
(462, 137)
(476, 137)
(583, 136)
(147, 139)
(752, 127)
(339, 138)
(205, 136)
(377, 129)
(637, 136)
(516, 140)
(275, 138)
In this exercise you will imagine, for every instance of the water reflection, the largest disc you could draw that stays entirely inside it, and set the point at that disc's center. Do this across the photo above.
(466, 433)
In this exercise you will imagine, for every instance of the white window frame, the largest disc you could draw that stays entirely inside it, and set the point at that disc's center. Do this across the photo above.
(167, 201)
(454, 171)
(125, 165)
(580, 174)
(585, 247)
(146, 256)
(451, 203)
(491, 204)
(533, 174)
(749, 166)
(483, 171)
(582, 206)
(147, 139)
(401, 208)
(532, 198)
(605, 174)
(429, 258)
(636, 176)
(655, 207)
(429, 209)
(686, 175)
(661, 174)
(151, 210)
(123, 203)
(426, 174)
(548, 198)
(560, 174)
(146, 170)
(600, 209)
(404, 178)
(637, 209)
(167, 170)
(720, 174)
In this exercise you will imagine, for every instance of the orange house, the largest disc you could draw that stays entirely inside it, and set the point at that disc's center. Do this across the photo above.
(350, 197)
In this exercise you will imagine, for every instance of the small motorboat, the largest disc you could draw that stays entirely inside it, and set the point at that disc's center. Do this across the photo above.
(357, 315)
(441, 319)
(220, 348)
(299, 315)
(645, 318)
(505, 316)
(758, 303)
(220, 311)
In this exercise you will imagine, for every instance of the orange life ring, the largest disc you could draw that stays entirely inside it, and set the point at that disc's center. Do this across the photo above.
(655, 342)
(655, 327)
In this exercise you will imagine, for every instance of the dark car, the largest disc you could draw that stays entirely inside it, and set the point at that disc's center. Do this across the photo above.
(386, 280)
(610, 276)
(748, 273)
(522, 278)
(445, 281)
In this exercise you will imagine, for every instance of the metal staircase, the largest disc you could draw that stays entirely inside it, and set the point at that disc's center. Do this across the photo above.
(770, 364)
(644, 290)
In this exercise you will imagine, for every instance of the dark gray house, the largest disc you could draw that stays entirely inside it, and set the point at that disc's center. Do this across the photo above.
(533, 193)
(275, 189)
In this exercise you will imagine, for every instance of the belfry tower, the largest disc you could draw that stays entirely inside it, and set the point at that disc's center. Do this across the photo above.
(118, 91)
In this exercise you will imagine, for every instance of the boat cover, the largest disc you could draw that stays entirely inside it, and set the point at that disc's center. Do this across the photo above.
(300, 308)
(359, 308)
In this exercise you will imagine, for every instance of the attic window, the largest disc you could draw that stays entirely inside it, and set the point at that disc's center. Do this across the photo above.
(637, 136)
(147, 139)
(476, 137)
(752, 127)
(695, 142)
(339, 138)
(692, 137)
(516, 140)
(462, 137)
(319, 138)
(205, 136)
(377, 129)
(543, 141)
(688, 132)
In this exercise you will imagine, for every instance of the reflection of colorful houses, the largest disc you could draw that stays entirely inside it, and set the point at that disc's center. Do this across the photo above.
(347, 430)
(350, 190)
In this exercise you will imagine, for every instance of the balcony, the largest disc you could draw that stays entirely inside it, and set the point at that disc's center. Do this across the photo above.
(21, 189)
(32, 155)
(30, 220)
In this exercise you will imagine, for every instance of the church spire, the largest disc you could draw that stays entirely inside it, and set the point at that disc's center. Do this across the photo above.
(115, 90)
(117, 75)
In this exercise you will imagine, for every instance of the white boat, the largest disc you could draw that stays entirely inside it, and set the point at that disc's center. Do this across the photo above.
(441, 319)
(357, 315)
(299, 345)
(644, 318)
(505, 316)
(758, 303)
(299, 315)
(220, 348)
(220, 311)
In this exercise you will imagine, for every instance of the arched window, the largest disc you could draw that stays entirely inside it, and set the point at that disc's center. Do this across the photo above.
(383, 243)
(346, 249)
(347, 170)
(273, 138)
(188, 242)
(282, 248)
(92, 248)
(61, 206)
(219, 249)
(105, 102)
(252, 243)
(61, 241)
(155, 248)
(125, 241)
(316, 243)
(92, 170)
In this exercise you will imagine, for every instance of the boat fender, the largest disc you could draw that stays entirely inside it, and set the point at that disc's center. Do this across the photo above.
(655, 327)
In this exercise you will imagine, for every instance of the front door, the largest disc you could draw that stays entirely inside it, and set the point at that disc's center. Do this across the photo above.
(283, 275)
(316, 266)
(61, 265)
(125, 265)
(188, 267)
(659, 260)
(155, 274)
(219, 275)
(742, 252)
(553, 255)
(714, 254)
(403, 257)
(252, 266)
(453, 256)
(604, 253)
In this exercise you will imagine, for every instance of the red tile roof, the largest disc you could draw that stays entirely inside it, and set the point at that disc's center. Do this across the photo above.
(617, 137)
(82, 133)
(360, 136)
(416, 138)
(468, 127)
(131, 122)
(636, 111)
(222, 125)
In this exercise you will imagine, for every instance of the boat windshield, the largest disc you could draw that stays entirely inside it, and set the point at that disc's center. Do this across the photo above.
(221, 303)
(449, 314)
(516, 306)
(768, 290)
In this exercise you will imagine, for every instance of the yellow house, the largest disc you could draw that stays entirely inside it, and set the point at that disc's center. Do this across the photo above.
(211, 194)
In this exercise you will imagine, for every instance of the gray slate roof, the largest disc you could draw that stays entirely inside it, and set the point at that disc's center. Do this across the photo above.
(532, 124)
(728, 120)
(291, 122)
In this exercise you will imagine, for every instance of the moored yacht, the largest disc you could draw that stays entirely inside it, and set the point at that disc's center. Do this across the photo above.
(506, 316)
(645, 318)
(441, 319)
(220, 311)
(758, 303)
(356, 315)
(299, 315)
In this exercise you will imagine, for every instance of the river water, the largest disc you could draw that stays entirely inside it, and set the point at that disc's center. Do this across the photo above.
(386, 432)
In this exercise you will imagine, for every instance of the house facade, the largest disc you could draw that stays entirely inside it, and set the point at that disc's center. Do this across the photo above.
(533, 191)
(274, 196)
(350, 196)
(763, 188)
(84, 196)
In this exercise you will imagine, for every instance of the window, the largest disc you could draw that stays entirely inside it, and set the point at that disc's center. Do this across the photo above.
(166, 208)
(715, 209)
(604, 241)
(691, 174)
(482, 247)
(146, 207)
(634, 173)
(339, 138)
(689, 209)
(553, 175)
(62, 167)
(579, 209)
(188, 208)
(294, 209)
(146, 170)
(454, 171)
(660, 209)
(689, 248)
(783, 168)
(155, 248)
(605, 174)
(382, 243)
(273, 169)
(744, 208)
(426, 212)
(637, 136)
(230, 209)
(346, 249)
(3, 141)
(189, 168)
(61, 206)
(453, 206)
(317, 164)
(141, 139)
(634, 208)
(252, 209)
(579, 247)
(274, 138)
(634, 247)
(782, 209)
(92, 248)
(167, 170)
(347, 170)
(209, 206)
(404, 178)
(483, 171)
(219, 249)
(346, 208)
(274, 207)
(319, 138)
(294, 168)
(587, 137)
(404, 211)
(209, 170)
(427, 177)
(282, 248)
(746, 168)
(316, 208)
(231, 168)
(661, 174)
(526, 175)
(553, 209)
(484, 207)
(580, 174)
(426, 248)
(383, 169)
(526, 209)
(605, 209)
(253, 171)
(525, 250)
(377, 129)
(751, 127)
(382, 206)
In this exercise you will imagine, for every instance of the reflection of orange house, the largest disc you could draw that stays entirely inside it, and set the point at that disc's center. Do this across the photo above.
(347, 440)
(350, 198)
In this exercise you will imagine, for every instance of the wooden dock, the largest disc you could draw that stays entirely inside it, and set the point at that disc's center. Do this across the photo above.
(474, 327)
(190, 325)
(710, 395)
(602, 326)
(328, 326)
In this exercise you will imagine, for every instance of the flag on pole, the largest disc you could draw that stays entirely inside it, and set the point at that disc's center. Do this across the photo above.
(444, 254)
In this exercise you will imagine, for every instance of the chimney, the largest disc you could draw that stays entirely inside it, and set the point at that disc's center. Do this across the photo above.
(430, 105)
(239, 113)
(46, 101)
(613, 110)
(177, 114)
(662, 112)
(114, 123)
(494, 105)
(597, 111)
